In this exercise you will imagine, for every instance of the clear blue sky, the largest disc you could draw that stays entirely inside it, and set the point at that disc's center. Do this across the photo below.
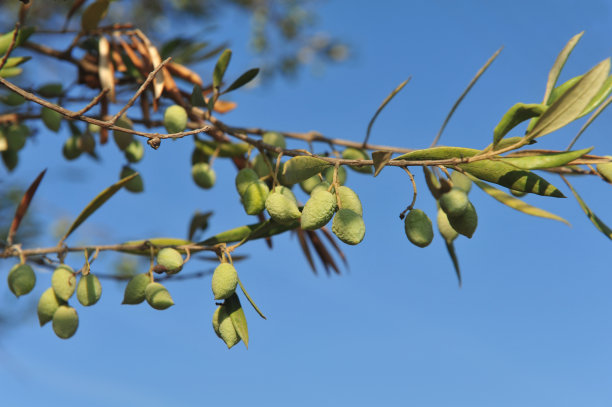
(530, 327)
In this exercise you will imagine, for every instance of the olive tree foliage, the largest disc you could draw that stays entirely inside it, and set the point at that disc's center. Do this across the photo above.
(120, 66)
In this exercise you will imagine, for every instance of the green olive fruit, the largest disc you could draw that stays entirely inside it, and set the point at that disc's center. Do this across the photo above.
(605, 170)
(216, 320)
(518, 194)
(349, 200)
(71, 149)
(348, 226)
(135, 289)
(65, 321)
(308, 184)
(123, 139)
(454, 202)
(134, 151)
(10, 159)
(418, 228)
(89, 290)
(47, 305)
(135, 184)
(466, 223)
(158, 296)
(51, 119)
(260, 167)
(21, 279)
(355, 154)
(86, 143)
(16, 136)
(275, 139)
(461, 181)
(51, 90)
(254, 198)
(328, 174)
(203, 175)
(446, 230)
(322, 186)
(171, 259)
(175, 119)
(63, 282)
(244, 178)
(282, 209)
(318, 210)
(198, 156)
(227, 331)
(298, 169)
(224, 281)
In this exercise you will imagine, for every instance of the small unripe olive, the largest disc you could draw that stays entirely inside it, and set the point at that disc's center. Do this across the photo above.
(328, 174)
(355, 154)
(65, 321)
(446, 230)
(254, 197)
(461, 181)
(21, 279)
(134, 151)
(89, 290)
(135, 184)
(123, 139)
(51, 119)
(175, 119)
(466, 223)
(454, 202)
(224, 281)
(158, 296)
(71, 148)
(47, 305)
(135, 289)
(63, 282)
(322, 186)
(308, 184)
(171, 259)
(318, 210)
(349, 200)
(203, 175)
(226, 330)
(244, 178)
(275, 139)
(348, 226)
(282, 209)
(418, 228)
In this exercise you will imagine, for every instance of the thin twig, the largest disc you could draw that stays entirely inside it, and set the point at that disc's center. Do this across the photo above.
(414, 195)
(93, 102)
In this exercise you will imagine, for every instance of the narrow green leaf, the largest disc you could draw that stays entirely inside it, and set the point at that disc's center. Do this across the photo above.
(236, 313)
(96, 203)
(7, 39)
(156, 241)
(535, 162)
(451, 252)
(555, 71)
(221, 67)
(380, 158)
(516, 203)
(561, 89)
(242, 232)
(15, 61)
(384, 103)
(494, 171)
(598, 99)
(245, 78)
(432, 183)
(225, 149)
(300, 168)
(571, 104)
(505, 142)
(10, 72)
(246, 294)
(513, 117)
(602, 227)
(197, 99)
(93, 14)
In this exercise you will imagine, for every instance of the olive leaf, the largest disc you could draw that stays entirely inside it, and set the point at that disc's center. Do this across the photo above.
(24, 204)
(451, 252)
(555, 71)
(7, 39)
(516, 203)
(561, 89)
(599, 224)
(156, 241)
(380, 158)
(513, 117)
(96, 203)
(246, 294)
(242, 232)
(221, 67)
(93, 14)
(384, 103)
(225, 149)
(300, 168)
(598, 99)
(196, 97)
(236, 314)
(534, 162)
(571, 104)
(15, 61)
(245, 78)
